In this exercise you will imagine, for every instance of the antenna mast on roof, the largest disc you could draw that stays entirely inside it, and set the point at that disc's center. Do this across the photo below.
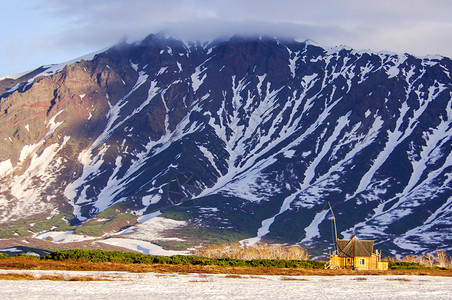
(334, 220)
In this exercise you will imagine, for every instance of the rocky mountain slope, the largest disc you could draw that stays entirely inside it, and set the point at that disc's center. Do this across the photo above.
(246, 138)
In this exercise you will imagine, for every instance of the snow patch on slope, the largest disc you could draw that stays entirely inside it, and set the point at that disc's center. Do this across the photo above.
(6, 168)
(197, 79)
(26, 189)
(61, 237)
(141, 246)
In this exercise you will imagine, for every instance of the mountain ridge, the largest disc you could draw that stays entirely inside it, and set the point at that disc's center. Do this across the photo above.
(255, 134)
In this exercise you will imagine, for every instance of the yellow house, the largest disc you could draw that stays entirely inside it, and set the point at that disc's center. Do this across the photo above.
(356, 254)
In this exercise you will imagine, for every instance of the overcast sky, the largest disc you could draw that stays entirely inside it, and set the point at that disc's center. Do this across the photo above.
(39, 32)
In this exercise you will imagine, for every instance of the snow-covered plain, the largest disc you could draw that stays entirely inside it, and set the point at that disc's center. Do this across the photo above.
(120, 285)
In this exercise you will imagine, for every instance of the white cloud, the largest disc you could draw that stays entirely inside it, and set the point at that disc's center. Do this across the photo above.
(419, 27)
(419, 39)
(415, 26)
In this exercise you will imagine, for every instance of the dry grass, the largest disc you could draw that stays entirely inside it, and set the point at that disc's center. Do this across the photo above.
(11, 276)
(428, 259)
(257, 251)
(293, 279)
(34, 264)
(256, 277)
(233, 276)
(398, 279)
(15, 276)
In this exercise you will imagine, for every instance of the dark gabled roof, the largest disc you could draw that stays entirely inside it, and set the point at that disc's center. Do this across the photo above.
(354, 247)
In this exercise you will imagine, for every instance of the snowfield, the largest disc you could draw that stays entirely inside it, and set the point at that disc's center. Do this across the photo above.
(119, 285)
(142, 237)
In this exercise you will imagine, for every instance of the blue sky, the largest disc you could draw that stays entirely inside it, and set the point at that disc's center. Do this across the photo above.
(39, 32)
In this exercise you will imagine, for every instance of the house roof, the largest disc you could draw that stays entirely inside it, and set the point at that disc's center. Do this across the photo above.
(354, 247)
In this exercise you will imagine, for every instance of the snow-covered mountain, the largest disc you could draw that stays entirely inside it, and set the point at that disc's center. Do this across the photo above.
(245, 138)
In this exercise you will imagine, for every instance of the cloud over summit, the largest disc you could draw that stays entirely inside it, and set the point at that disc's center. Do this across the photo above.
(61, 28)
(379, 25)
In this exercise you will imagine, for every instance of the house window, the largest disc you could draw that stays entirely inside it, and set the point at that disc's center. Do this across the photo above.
(362, 261)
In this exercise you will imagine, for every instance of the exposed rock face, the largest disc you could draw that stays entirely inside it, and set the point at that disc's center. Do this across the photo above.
(253, 136)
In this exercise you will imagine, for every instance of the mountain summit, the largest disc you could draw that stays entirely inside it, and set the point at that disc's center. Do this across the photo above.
(247, 138)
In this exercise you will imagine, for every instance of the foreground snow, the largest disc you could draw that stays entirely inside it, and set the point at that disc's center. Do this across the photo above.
(220, 286)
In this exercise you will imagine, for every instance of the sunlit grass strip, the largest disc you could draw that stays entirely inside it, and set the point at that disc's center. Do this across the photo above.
(22, 263)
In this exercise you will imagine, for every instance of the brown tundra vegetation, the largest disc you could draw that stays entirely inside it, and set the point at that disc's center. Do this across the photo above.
(438, 259)
(256, 251)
